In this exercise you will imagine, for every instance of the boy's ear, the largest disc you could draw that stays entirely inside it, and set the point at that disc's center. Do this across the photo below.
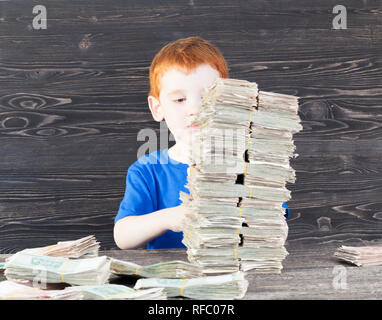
(156, 108)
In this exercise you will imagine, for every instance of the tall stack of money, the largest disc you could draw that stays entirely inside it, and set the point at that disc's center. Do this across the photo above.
(238, 170)
(212, 231)
(267, 171)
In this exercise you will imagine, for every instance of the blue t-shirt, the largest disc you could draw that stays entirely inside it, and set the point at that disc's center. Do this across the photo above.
(153, 183)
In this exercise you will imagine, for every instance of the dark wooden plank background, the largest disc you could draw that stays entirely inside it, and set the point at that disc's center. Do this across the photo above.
(73, 98)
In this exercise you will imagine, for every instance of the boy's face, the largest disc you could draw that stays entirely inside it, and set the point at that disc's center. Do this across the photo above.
(180, 99)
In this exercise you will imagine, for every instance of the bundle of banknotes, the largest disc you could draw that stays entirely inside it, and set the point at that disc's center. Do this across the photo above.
(29, 266)
(72, 262)
(10, 290)
(239, 167)
(168, 269)
(45, 273)
(268, 170)
(360, 256)
(84, 247)
(224, 287)
(118, 292)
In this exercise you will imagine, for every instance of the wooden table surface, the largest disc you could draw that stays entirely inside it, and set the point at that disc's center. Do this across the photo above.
(310, 272)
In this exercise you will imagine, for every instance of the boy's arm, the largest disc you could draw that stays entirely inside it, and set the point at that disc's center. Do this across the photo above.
(134, 231)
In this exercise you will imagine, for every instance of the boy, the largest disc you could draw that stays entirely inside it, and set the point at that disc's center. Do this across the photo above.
(151, 211)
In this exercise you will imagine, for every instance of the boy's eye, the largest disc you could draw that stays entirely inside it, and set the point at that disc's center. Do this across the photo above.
(180, 100)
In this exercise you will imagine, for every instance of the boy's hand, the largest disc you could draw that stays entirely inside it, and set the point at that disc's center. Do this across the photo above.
(176, 217)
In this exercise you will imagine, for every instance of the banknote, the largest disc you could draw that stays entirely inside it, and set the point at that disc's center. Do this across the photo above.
(118, 292)
(224, 287)
(84, 247)
(89, 271)
(168, 269)
(360, 256)
(10, 290)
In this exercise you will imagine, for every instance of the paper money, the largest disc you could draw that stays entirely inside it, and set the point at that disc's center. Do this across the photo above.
(360, 256)
(90, 271)
(119, 292)
(224, 121)
(228, 101)
(10, 290)
(270, 148)
(169, 269)
(237, 179)
(84, 247)
(224, 287)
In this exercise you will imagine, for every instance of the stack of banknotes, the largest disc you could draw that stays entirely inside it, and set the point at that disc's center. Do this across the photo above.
(183, 279)
(84, 247)
(267, 171)
(212, 231)
(118, 292)
(72, 262)
(28, 266)
(10, 290)
(224, 287)
(72, 270)
(239, 167)
(360, 256)
(168, 269)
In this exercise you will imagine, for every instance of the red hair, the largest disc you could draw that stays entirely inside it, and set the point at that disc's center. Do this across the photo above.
(185, 54)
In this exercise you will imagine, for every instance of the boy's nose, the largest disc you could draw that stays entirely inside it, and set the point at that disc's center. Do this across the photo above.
(194, 108)
(193, 115)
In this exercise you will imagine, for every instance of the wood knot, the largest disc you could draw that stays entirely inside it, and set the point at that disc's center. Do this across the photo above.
(316, 110)
(17, 122)
(85, 43)
(324, 224)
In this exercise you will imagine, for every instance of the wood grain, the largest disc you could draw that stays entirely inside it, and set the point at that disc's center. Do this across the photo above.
(73, 98)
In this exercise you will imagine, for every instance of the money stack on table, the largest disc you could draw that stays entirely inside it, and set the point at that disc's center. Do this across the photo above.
(28, 266)
(237, 176)
(168, 269)
(212, 233)
(80, 248)
(64, 262)
(71, 270)
(39, 273)
(360, 256)
(266, 173)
